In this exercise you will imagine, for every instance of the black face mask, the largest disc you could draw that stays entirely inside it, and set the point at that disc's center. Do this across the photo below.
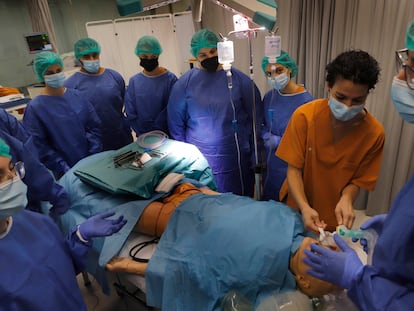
(149, 64)
(210, 64)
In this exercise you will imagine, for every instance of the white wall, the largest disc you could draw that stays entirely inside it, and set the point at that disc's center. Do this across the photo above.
(119, 37)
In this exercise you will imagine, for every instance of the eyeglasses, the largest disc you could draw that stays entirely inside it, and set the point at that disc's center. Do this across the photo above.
(20, 171)
(401, 62)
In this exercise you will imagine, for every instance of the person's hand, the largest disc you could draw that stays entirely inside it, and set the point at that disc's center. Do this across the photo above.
(271, 141)
(336, 267)
(59, 207)
(344, 212)
(311, 219)
(375, 223)
(99, 225)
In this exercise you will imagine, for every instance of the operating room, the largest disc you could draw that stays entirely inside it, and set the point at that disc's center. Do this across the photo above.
(313, 33)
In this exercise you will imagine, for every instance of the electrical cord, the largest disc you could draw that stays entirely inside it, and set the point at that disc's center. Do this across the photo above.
(133, 252)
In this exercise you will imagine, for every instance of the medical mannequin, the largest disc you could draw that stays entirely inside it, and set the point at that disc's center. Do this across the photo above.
(154, 220)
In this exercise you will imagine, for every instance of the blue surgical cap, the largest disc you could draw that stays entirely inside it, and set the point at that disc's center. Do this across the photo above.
(86, 46)
(4, 149)
(203, 38)
(409, 38)
(43, 61)
(283, 59)
(148, 45)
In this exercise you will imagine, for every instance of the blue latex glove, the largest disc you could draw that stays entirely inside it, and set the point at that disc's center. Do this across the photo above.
(271, 141)
(375, 223)
(339, 268)
(99, 225)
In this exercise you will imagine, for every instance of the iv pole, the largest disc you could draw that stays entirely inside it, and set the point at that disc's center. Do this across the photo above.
(258, 168)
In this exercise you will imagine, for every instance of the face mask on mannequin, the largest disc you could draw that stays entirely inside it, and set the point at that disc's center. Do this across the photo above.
(279, 82)
(13, 199)
(91, 66)
(403, 98)
(210, 64)
(149, 64)
(56, 80)
(341, 111)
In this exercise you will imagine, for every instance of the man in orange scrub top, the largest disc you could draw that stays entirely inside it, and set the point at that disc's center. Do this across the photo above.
(333, 146)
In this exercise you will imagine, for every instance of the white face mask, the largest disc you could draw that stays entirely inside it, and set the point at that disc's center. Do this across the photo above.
(91, 66)
(13, 197)
(403, 98)
(341, 111)
(279, 82)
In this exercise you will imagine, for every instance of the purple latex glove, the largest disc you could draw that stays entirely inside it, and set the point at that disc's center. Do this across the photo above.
(375, 223)
(271, 141)
(336, 267)
(99, 225)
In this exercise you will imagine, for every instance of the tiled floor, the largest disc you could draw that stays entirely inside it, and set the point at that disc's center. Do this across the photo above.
(97, 301)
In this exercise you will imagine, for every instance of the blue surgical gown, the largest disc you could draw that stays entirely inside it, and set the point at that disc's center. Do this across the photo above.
(277, 110)
(146, 101)
(64, 128)
(10, 125)
(41, 185)
(201, 112)
(106, 93)
(388, 284)
(38, 266)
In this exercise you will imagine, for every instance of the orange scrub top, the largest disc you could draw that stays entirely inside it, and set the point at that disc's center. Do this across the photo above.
(329, 166)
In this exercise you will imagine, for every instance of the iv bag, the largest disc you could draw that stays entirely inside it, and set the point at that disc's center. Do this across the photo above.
(225, 52)
(272, 47)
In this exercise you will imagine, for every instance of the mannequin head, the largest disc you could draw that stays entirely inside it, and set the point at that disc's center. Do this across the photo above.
(308, 284)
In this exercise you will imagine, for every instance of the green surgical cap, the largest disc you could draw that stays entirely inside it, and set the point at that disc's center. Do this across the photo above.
(409, 38)
(148, 45)
(86, 46)
(283, 59)
(203, 38)
(44, 60)
(4, 149)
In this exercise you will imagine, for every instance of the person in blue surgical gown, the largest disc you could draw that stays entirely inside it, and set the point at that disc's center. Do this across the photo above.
(278, 105)
(38, 266)
(388, 283)
(105, 89)
(40, 183)
(64, 125)
(203, 110)
(148, 91)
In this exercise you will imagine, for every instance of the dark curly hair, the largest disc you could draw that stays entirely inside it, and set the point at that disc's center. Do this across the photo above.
(355, 65)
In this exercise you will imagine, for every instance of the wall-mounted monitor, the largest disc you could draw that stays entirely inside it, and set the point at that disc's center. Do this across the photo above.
(38, 42)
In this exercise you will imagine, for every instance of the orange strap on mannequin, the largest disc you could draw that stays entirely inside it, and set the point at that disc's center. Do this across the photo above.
(154, 218)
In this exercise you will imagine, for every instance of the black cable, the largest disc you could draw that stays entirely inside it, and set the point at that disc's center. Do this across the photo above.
(138, 247)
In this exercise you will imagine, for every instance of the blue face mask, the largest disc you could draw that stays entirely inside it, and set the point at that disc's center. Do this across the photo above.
(91, 66)
(279, 82)
(341, 111)
(403, 98)
(12, 198)
(56, 80)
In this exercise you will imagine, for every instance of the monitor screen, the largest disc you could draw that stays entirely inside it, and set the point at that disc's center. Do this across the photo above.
(38, 42)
